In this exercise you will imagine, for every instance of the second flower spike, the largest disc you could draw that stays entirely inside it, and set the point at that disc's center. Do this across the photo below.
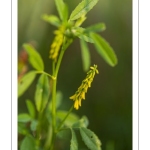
(86, 83)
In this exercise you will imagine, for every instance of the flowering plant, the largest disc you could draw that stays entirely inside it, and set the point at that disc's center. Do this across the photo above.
(44, 123)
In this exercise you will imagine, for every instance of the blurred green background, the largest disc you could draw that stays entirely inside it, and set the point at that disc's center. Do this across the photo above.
(108, 103)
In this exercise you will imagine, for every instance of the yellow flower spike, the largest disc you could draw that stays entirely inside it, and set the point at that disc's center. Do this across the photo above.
(57, 42)
(86, 83)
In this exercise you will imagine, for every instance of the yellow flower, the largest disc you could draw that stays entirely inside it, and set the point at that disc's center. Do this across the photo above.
(58, 40)
(86, 83)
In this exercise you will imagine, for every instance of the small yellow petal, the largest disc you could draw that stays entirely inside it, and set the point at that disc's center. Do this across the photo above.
(73, 97)
(79, 102)
(83, 95)
(76, 105)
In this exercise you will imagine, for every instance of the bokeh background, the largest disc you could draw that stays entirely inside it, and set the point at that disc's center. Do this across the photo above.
(108, 103)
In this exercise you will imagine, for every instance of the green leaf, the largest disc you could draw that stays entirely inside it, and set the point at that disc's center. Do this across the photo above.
(78, 30)
(34, 57)
(52, 19)
(104, 49)
(24, 117)
(42, 92)
(64, 134)
(25, 82)
(31, 108)
(90, 139)
(59, 97)
(83, 122)
(86, 38)
(28, 143)
(62, 9)
(74, 142)
(33, 125)
(82, 9)
(85, 55)
(22, 129)
(72, 118)
(95, 28)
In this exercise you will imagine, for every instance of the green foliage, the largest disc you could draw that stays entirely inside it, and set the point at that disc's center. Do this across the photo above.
(45, 120)
(34, 57)
(33, 125)
(99, 27)
(82, 9)
(83, 122)
(71, 119)
(86, 38)
(31, 108)
(62, 9)
(85, 55)
(28, 143)
(74, 142)
(52, 19)
(42, 92)
(24, 117)
(104, 49)
(59, 97)
(90, 139)
(22, 129)
(25, 82)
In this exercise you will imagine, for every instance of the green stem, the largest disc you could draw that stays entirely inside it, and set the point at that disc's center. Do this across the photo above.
(64, 47)
(65, 118)
(55, 74)
(46, 74)
(49, 138)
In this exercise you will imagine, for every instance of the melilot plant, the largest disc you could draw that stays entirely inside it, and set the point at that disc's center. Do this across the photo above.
(45, 123)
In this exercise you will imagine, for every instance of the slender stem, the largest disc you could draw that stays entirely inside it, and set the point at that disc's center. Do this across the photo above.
(49, 138)
(54, 105)
(64, 47)
(55, 74)
(65, 118)
(46, 74)
(53, 67)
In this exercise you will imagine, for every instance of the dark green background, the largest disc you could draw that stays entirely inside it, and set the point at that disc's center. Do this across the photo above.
(108, 103)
